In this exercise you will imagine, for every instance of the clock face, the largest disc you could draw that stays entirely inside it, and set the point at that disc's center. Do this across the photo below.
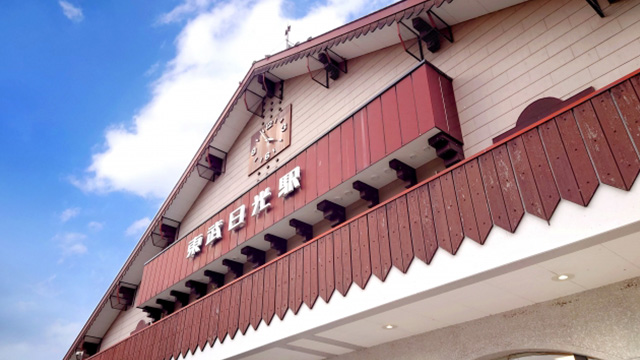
(273, 137)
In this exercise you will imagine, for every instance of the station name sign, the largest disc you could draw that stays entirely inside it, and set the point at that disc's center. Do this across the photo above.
(287, 184)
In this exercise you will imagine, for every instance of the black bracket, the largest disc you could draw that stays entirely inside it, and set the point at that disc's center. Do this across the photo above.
(303, 229)
(182, 298)
(405, 46)
(447, 148)
(165, 233)
(198, 288)
(277, 243)
(167, 305)
(235, 267)
(404, 172)
(332, 64)
(123, 295)
(215, 278)
(333, 212)
(255, 256)
(430, 31)
(367, 193)
(214, 164)
(154, 313)
(255, 105)
(91, 344)
(271, 86)
(594, 4)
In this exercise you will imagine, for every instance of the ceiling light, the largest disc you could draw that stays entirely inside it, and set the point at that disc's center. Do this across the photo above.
(389, 327)
(562, 277)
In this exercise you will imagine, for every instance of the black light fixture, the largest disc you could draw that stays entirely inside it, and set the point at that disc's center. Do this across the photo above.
(330, 65)
(428, 34)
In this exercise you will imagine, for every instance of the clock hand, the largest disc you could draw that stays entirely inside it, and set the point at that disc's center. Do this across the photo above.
(263, 135)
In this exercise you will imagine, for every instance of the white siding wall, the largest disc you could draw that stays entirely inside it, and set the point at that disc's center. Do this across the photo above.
(500, 63)
(124, 324)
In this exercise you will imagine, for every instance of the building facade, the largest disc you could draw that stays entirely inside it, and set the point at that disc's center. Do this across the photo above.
(438, 179)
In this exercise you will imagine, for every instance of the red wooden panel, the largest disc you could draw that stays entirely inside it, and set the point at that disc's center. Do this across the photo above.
(394, 234)
(279, 202)
(453, 121)
(242, 233)
(424, 108)
(435, 92)
(299, 280)
(306, 276)
(186, 329)
(282, 287)
(195, 326)
(541, 172)
(493, 191)
(383, 238)
(617, 137)
(392, 138)
(440, 215)
(510, 192)
(179, 333)
(292, 282)
(524, 176)
(289, 202)
(257, 298)
(562, 172)
(322, 273)
(463, 194)
(210, 248)
(347, 268)
(234, 315)
(245, 304)
(272, 184)
(223, 319)
(597, 145)
(453, 212)
(329, 268)
(415, 223)
(186, 265)
(365, 250)
(270, 293)
(323, 165)
(479, 199)
(376, 130)
(406, 246)
(627, 100)
(348, 149)
(199, 258)
(407, 110)
(311, 179)
(374, 244)
(337, 263)
(307, 173)
(314, 274)
(207, 304)
(252, 227)
(356, 267)
(214, 317)
(363, 156)
(335, 158)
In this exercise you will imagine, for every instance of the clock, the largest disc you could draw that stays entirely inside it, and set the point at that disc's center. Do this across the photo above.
(273, 137)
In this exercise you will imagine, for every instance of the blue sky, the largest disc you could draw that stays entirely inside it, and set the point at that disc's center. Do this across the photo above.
(102, 105)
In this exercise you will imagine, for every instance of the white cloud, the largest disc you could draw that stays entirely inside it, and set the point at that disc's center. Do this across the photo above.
(138, 227)
(52, 342)
(214, 51)
(71, 243)
(95, 226)
(71, 12)
(69, 214)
